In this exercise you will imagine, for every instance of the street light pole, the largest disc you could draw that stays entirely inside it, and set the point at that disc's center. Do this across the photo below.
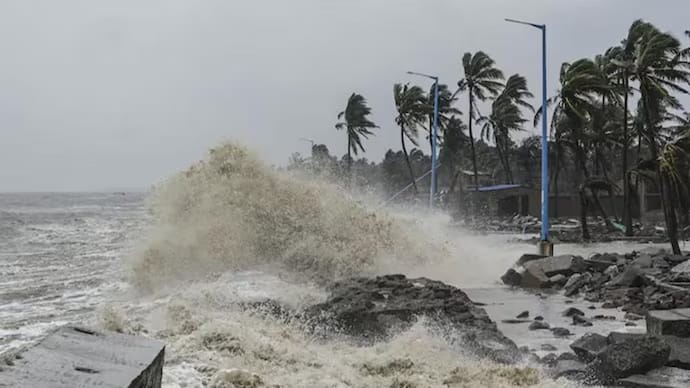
(434, 135)
(545, 247)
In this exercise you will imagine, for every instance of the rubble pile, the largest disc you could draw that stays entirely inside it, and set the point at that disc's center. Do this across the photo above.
(636, 282)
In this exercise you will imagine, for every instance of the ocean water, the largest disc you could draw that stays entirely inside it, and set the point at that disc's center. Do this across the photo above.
(175, 264)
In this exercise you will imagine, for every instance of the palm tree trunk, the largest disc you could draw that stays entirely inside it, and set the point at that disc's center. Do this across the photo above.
(474, 155)
(583, 213)
(669, 212)
(627, 204)
(407, 159)
(501, 157)
(664, 185)
(349, 159)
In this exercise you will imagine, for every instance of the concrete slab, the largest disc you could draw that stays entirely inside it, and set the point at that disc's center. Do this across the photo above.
(74, 357)
(659, 378)
(669, 322)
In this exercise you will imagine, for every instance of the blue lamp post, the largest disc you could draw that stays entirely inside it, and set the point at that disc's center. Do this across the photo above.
(434, 135)
(545, 247)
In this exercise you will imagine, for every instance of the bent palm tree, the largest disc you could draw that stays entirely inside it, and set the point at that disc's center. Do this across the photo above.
(357, 124)
(410, 103)
(507, 117)
(481, 78)
(658, 70)
(446, 111)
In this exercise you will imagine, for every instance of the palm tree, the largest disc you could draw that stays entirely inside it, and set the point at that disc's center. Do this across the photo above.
(506, 117)
(454, 140)
(357, 124)
(446, 111)
(658, 69)
(410, 103)
(481, 78)
(623, 59)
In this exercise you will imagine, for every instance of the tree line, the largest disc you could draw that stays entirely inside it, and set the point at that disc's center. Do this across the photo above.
(615, 121)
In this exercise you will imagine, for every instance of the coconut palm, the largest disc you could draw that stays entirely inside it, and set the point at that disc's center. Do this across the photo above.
(623, 59)
(658, 70)
(506, 117)
(482, 79)
(410, 103)
(454, 140)
(446, 110)
(358, 126)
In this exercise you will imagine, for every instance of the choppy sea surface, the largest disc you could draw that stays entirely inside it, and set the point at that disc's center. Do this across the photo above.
(64, 259)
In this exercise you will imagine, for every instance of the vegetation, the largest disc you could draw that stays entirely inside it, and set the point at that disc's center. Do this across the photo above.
(615, 121)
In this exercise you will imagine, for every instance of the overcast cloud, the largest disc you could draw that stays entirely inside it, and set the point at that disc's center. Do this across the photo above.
(101, 95)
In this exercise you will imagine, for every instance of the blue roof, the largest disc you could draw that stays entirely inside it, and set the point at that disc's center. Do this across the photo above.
(499, 187)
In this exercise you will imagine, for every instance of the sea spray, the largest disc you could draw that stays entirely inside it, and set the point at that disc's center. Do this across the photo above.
(231, 212)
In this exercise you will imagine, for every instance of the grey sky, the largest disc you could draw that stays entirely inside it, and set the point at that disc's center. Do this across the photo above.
(118, 94)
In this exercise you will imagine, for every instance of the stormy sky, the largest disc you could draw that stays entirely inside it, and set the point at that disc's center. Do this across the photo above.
(107, 95)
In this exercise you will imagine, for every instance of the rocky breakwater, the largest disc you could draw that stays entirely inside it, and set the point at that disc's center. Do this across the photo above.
(371, 309)
(636, 282)
(651, 284)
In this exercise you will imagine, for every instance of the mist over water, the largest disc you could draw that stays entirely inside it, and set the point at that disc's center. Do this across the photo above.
(231, 212)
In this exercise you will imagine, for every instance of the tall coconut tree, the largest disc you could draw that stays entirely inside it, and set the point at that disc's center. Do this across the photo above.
(446, 110)
(507, 117)
(357, 124)
(658, 70)
(481, 80)
(623, 58)
(410, 103)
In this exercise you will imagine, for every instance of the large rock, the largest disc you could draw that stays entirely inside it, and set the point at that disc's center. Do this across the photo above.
(631, 277)
(576, 282)
(374, 308)
(74, 357)
(630, 357)
(669, 322)
(658, 378)
(588, 346)
(534, 277)
(559, 265)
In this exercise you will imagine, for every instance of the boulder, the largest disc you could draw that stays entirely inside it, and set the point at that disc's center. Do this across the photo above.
(512, 277)
(631, 277)
(630, 357)
(588, 346)
(526, 258)
(570, 311)
(558, 280)
(369, 309)
(539, 325)
(576, 282)
(523, 314)
(579, 320)
(633, 317)
(616, 337)
(612, 271)
(560, 332)
(658, 378)
(563, 265)
(669, 322)
(534, 277)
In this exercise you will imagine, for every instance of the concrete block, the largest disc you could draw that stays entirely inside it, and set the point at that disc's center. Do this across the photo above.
(73, 357)
(669, 322)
